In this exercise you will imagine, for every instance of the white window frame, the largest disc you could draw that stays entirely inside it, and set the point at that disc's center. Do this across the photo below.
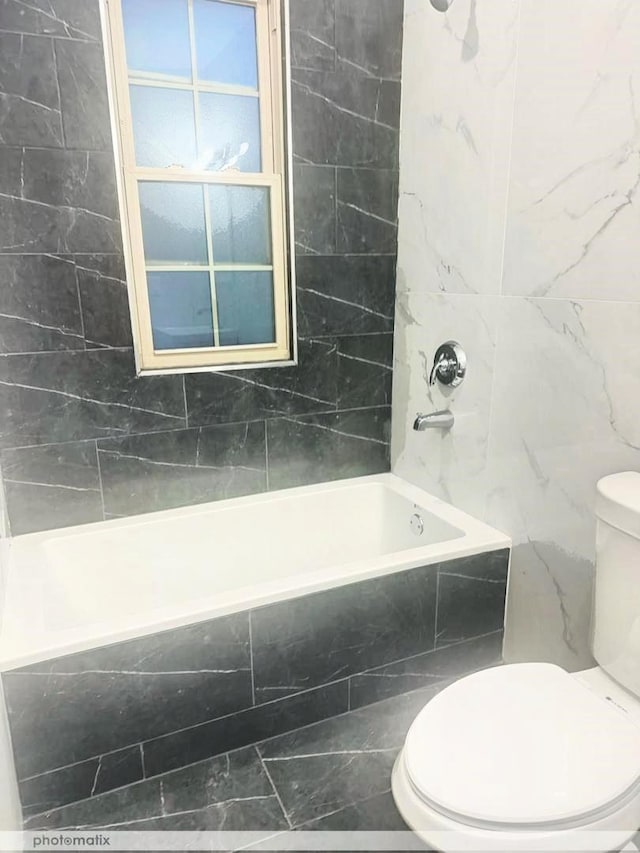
(273, 76)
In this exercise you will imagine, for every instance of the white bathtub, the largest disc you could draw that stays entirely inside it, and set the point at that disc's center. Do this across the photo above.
(82, 587)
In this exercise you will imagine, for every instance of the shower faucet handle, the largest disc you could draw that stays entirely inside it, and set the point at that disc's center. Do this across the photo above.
(449, 365)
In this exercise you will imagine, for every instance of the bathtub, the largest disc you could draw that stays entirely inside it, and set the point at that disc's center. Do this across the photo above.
(134, 646)
(81, 587)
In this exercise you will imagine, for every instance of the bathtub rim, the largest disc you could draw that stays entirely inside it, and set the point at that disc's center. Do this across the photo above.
(476, 538)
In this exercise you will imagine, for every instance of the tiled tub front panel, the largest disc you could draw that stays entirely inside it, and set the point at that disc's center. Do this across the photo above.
(89, 722)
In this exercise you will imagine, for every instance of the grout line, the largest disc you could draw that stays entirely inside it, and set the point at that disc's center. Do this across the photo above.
(253, 681)
(275, 790)
(435, 618)
(104, 513)
(184, 397)
(142, 761)
(266, 455)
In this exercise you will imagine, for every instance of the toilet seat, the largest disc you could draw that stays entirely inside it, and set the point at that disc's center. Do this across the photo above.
(525, 746)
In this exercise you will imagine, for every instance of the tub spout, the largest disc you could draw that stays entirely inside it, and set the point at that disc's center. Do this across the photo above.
(435, 420)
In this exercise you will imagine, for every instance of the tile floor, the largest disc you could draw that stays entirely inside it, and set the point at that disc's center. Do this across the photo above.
(331, 775)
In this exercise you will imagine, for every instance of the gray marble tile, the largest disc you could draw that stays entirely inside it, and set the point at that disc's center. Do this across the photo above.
(76, 707)
(83, 95)
(245, 395)
(365, 370)
(367, 205)
(313, 34)
(29, 101)
(345, 295)
(55, 201)
(130, 805)
(433, 667)
(322, 447)
(104, 300)
(375, 814)
(471, 596)
(320, 638)
(144, 473)
(63, 18)
(321, 769)
(79, 180)
(245, 727)
(70, 396)
(80, 781)
(39, 307)
(53, 486)
(369, 35)
(335, 120)
(314, 204)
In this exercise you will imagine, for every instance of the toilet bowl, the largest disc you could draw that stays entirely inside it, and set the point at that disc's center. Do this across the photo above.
(528, 757)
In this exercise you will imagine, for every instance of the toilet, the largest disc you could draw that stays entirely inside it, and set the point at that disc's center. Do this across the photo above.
(529, 757)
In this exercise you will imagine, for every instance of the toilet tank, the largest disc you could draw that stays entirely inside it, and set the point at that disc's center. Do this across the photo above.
(615, 626)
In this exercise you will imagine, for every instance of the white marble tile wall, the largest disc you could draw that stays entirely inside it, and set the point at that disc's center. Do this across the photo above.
(519, 224)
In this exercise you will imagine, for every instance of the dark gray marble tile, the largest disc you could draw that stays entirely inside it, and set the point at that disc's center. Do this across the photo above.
(365, 370)
(64, 18)
(313, 34)
(79, 180)
(104, 300)
(335, 120)
(54, 201)
(323, 768)
(314, 204)
(52, 486)
(73, 708)
(369, 35)
(80, 781)
(345, 295)
(376, 814)
(246, 395)
(316, 448)
(231, 792)
(319, 638)
(130, 805)
(424, 670)
(70, 396)
(29, 102)
(471, 596)
(39, 308)
(83, 95)
(244, 728)
(221, 782)
(144, 473)
(367, 211)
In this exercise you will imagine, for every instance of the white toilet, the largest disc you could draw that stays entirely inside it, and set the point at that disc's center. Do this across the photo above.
(528, 757)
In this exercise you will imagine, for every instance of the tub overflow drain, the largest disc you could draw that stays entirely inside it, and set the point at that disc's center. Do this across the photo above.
(416, 524)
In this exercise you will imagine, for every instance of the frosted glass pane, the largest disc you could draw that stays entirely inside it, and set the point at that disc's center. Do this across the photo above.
(164, 128)
(226, 43)
(230, 132)
(173, 227)
(157, 36)
(181, 315)
(240, 224)
(245, 308)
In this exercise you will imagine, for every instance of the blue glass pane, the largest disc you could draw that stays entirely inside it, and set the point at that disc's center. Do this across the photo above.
(164, 128)
(230, 133)
(240, 224)
(157, 36)
(173, 222)
(226, 43)
(181, 315)
(245, 308)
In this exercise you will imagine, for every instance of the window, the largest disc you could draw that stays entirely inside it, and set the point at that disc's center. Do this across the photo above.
(197, 103)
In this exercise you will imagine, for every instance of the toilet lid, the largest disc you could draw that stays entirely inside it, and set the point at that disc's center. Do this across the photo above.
(522, 744)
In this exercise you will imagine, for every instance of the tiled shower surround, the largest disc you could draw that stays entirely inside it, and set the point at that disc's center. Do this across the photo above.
(81, 437)
(97, 720)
